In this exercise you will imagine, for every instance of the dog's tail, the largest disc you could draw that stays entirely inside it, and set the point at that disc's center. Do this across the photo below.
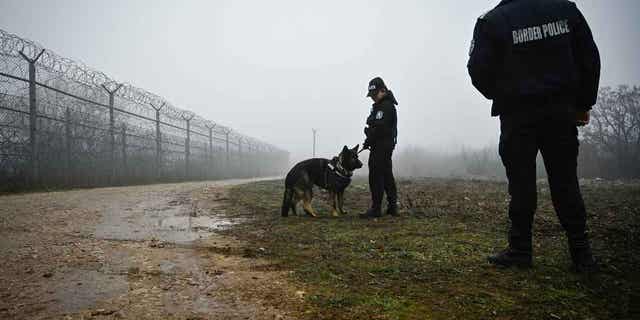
(286, 201)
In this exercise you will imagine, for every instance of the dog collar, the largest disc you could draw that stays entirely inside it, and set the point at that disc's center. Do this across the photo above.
(337, 171)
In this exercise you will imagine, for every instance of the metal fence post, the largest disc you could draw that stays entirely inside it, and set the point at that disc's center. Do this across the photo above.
(256, 160)
(125, 168)
(250, 159)
(247, 156)
(240, 155)
(227, 142)
(187, 146)
(227, 162)
(33, 119)
(112, 138)
(67, 140)
(187, 149)
(158, 162)
(210, 126)
(211, 152)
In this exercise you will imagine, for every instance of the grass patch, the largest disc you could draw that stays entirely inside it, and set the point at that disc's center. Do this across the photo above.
(429, 263)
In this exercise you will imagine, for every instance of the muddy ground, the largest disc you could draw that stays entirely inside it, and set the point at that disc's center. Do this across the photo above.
(220, 250)
(141, 252)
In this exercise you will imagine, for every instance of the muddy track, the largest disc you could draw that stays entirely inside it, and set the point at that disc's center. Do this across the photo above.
(142, 252)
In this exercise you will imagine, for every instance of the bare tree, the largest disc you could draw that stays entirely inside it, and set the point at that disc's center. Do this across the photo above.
(614, 132)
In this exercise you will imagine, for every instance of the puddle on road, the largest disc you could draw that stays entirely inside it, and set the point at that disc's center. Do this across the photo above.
(194, 224)
(82, 289)
(151, 220)
(167, 267)
(184, 229)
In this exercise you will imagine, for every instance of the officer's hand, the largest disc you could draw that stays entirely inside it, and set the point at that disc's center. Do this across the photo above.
(582, 118)
(365, 145)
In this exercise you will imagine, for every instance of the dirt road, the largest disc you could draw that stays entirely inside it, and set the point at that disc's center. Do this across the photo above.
(142, 252)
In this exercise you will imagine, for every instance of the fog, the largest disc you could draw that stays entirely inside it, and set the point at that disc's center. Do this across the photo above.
(276, 69)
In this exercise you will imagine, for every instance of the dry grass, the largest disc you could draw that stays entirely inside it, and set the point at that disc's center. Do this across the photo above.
(430, 262)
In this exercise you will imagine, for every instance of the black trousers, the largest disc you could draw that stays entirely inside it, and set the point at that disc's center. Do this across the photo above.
(381, 178)
(556, 138)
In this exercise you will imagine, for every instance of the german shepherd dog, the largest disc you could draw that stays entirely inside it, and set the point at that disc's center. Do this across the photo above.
(332, 175)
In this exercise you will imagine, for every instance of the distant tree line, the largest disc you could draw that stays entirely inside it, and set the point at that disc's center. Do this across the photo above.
(611, 142)
(610, 146)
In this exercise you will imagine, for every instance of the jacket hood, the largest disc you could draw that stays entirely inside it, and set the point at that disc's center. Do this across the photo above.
(388, 97)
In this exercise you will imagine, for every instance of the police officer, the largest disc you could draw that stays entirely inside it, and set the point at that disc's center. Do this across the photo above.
(381, 132)
(537, 61)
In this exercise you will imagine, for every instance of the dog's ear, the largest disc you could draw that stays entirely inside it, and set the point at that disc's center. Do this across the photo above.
(345, 149)
(356, 148)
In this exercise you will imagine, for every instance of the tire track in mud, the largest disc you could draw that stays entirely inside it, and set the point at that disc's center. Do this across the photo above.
(143, 252)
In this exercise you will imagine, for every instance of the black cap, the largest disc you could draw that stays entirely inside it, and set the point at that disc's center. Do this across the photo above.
(374, 85)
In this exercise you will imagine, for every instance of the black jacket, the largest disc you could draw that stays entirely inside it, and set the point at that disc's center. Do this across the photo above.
(382, 122)
(527, 53)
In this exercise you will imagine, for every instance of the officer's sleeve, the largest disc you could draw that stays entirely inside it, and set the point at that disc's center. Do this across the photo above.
(588, 62)
(367, 139)
(483, 59)
(391, 122)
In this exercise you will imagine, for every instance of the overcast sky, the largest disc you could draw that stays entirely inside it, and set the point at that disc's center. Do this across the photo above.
(275, 69)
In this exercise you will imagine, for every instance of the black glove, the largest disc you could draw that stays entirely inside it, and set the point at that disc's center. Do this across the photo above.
(366, 145)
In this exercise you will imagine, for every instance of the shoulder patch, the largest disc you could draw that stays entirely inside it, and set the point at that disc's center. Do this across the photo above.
(379, 115)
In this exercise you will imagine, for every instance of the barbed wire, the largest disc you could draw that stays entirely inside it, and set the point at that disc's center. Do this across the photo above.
(77, 78)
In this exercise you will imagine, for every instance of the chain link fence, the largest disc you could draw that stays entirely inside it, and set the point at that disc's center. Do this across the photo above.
(63, 124)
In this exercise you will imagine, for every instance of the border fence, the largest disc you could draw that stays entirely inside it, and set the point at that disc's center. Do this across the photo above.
(63, 124)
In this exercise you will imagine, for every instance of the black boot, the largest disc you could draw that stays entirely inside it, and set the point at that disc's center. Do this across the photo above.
(371, 213)
(582, 257)
(511, 258)
(392, 210)
(518, 253)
